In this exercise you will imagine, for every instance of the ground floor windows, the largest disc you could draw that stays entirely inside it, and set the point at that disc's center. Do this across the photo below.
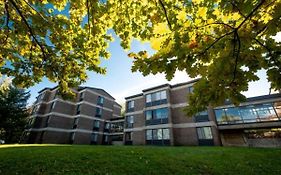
(204, 133)
(94, 138)
(158, 136)
(205, 136)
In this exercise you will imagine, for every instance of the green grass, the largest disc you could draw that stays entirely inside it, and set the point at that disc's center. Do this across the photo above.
(66, 159)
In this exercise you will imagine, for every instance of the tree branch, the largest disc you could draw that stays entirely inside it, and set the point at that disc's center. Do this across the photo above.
(236, 36)
(88, 11)
(30, 29)
(251, 13)
(166, 15)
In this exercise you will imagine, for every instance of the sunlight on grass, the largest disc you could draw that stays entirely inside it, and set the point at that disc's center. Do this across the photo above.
(29, 145)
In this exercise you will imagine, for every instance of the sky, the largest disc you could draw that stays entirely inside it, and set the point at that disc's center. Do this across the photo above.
(120, 82)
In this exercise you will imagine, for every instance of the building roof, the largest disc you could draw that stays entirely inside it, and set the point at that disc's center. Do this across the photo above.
(162, 86)
(257, 98)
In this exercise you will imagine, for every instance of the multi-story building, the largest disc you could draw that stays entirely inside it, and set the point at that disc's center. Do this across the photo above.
(156, 117)
(87, 119)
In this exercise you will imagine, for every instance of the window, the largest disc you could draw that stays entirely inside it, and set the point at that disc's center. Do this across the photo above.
(220, 116)
(148, 98)
(96, 124)
(53, 106)
(156, 98)
(204, 133)
(98, 112)
(100, 100)
(158, 136)
(94, 137)
(82, 95)
(156, 116)
(75, 123)
(106, 138)
(190, 89)
(202, 116)
(248, 113)
(130, 121)
(148, 115)
(131, 104)
(232, 114)
(149, 134)
(78, 109)
(107, 125)
(266, 112)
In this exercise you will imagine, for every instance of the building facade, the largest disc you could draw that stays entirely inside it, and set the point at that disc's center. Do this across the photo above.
(87, 119)
(156, 117)
(255, 123)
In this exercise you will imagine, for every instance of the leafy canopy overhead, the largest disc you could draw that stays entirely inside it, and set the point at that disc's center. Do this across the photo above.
(223, 42)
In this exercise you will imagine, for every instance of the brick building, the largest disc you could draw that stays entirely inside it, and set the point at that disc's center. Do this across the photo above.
(156, 117)
(87, 119)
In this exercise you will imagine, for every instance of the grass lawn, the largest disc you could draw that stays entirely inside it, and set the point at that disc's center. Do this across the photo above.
(66, 159)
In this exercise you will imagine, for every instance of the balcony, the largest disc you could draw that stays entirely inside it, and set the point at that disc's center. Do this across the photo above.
(155, 103)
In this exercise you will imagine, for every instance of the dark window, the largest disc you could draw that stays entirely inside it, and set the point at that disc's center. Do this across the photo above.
(202, 117)
(157, 116)
(94, 138)
(98, 112)
(96, 125)
(100, 100)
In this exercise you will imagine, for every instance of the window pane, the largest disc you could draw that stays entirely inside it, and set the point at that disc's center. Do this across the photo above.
(248, 114)
(158, 96)
(158, 113)
(266, 112)
(154, 134)
(148, 115)
(204, 133)
(166, 134)
(159, 134)
(148, 98)
(153, 97)
(232, 114)
(149, 134)
(163, 95)
(220, 116)
(164, 113)
(208, 132)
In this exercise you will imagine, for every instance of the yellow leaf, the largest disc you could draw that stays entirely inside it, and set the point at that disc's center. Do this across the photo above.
(197, 1)
(181, 15)
(198, 22)
(202, 12)
(187, 24)
(155, 43)
(217, 12)
(161, 29)
(236, 16)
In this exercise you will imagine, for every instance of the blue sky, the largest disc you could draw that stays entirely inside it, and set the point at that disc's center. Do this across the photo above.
(121, 82)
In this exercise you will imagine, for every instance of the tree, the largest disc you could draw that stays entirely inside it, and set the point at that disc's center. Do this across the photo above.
(223, 42)
(13, 114)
